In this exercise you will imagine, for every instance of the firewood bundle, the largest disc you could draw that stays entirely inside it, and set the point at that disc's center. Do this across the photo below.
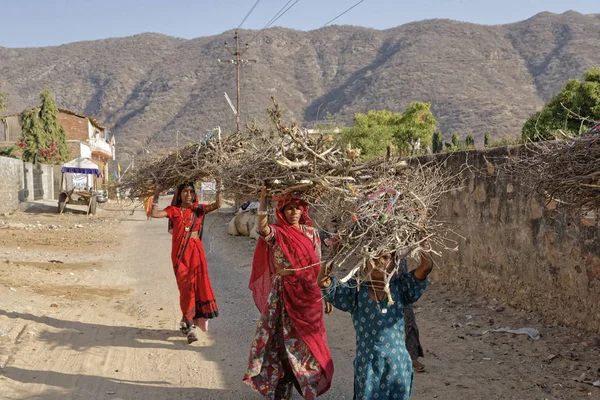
(566, 171)
(194, 162)
(289, 160)
(394, 213)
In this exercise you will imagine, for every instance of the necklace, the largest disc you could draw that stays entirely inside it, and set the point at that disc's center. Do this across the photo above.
(377, 301)
(187, 226)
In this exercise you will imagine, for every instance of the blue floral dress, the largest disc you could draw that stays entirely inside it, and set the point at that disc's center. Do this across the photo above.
(382, 366)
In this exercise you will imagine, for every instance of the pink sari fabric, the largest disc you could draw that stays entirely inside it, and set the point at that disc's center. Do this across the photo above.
(300, 292)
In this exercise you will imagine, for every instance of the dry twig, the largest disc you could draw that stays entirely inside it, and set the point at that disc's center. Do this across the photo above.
(567, 171)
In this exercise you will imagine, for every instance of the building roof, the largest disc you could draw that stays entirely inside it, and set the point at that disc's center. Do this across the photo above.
(93, 120)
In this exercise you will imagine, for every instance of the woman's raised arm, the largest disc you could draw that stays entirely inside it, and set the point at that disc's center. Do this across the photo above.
(155, 212)
(217, 204)
(262, 219)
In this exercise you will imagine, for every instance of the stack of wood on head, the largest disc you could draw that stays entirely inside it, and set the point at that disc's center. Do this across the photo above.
(290, 160)
(391, 210)
(566, 171)
(201, 161)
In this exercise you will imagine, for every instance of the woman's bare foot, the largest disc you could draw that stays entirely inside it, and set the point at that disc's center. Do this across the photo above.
(418, 367)
(201, 323)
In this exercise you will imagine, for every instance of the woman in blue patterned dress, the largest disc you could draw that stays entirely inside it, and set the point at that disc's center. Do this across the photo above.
(382, 366)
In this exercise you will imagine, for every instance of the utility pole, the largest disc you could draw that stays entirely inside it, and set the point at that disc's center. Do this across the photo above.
(237, 62)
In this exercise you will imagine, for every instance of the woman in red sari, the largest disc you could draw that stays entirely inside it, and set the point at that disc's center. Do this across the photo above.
(290, 346)
(196, 296)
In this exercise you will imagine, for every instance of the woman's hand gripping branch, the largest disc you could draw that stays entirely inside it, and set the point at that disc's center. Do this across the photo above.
(262, 219)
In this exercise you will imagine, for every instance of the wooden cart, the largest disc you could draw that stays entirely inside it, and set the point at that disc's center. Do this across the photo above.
(76, 187)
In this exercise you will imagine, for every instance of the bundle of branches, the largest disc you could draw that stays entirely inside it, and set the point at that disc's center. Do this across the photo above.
(291, 160)
(194, 162)
(567, 171)
(392, 213)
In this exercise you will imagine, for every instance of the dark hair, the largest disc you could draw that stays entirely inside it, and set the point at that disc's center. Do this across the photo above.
(180, 189)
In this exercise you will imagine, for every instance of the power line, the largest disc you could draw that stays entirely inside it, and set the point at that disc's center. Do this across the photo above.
(247, 15)
(283, 13)
(278, 15)
(342, 14)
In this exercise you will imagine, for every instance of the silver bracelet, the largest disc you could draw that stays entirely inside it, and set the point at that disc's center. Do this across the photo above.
(262, 213)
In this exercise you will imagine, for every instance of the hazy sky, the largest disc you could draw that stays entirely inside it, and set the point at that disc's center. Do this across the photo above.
(32, 23)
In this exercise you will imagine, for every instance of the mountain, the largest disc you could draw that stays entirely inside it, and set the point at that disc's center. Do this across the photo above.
(153, 86)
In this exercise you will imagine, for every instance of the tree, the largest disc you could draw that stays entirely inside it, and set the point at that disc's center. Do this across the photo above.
(437, 142)
(3, 99)
(43, 138)
(455, 140)
(486, 138)
(470, 140)
(374, 131)
(416, 127)
(574, 110)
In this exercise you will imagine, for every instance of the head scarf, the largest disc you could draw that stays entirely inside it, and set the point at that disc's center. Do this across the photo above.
(300, 292)
(297, 248)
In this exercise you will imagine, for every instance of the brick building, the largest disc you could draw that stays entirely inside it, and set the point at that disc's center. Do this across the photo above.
(86, 137)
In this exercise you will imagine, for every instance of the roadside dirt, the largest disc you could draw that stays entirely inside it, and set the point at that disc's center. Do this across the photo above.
(89, 310)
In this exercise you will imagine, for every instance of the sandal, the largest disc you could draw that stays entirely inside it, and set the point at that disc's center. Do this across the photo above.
(184, 328)
(418, 367)
(192, 336)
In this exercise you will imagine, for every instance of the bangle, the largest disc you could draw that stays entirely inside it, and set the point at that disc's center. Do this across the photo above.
(262, 212)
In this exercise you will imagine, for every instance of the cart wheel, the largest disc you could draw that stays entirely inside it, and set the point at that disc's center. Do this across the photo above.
(93, 205)
(62, 202)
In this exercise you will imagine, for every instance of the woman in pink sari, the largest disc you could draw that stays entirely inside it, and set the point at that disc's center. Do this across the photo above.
(290, 346)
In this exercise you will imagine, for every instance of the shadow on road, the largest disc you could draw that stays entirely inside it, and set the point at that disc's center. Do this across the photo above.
(78, 386)
(81, 336)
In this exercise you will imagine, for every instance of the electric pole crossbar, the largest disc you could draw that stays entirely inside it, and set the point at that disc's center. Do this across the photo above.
(238, 61)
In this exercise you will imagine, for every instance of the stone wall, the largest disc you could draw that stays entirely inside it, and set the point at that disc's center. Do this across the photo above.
(22, 182)
(518, 248)
(28, 182)
(11, 184)
(38, 183)
(44, 182)
(56, 178)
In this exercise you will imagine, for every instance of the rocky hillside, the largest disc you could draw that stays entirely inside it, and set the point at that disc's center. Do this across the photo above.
(153, 86)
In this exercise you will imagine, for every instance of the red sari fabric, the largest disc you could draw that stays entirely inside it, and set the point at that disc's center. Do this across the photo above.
(196, 296)
(301, 294)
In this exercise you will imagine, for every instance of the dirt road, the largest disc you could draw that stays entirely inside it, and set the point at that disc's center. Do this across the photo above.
(89, 310)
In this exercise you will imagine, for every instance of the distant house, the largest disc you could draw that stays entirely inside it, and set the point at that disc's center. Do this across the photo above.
(86, 137)
(10, 130)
